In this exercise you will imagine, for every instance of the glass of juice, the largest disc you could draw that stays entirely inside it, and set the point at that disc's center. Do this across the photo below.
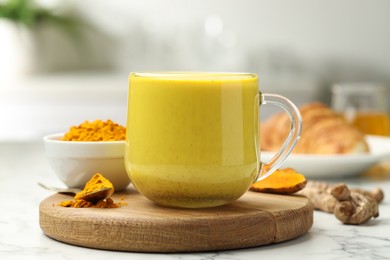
(192, 138)
(363, 105)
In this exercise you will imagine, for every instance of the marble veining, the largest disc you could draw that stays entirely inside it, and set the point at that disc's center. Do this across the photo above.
(22, 165)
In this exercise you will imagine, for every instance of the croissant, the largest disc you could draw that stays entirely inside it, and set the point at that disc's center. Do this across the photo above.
(323, 132)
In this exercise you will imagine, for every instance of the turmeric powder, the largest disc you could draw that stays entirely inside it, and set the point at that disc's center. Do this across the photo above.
(80, 203)
(97, 130)
(83, 200)
(282, 181)
(96, 183)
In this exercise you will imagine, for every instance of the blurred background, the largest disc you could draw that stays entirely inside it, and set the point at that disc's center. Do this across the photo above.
(63, 62)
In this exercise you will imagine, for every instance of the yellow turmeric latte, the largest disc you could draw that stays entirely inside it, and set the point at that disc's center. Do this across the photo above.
(97, 130)
(191, 137)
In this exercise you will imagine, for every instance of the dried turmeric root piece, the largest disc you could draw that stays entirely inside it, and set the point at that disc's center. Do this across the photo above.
(282, 181)
(351, 206)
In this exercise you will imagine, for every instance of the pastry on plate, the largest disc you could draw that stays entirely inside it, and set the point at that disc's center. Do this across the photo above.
(323, 132)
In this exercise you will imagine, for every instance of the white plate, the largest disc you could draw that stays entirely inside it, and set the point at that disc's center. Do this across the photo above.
(336, 166)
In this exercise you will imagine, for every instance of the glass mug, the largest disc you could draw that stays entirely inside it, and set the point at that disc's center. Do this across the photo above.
(192, 139)
(364, 105)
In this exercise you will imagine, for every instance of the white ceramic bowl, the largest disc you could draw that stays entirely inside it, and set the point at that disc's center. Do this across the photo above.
(76, 162)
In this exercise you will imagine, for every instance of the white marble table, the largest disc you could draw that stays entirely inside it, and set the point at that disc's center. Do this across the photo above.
(23, 164)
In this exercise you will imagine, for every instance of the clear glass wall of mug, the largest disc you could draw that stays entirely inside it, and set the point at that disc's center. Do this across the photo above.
(363, 105)
(192, 138)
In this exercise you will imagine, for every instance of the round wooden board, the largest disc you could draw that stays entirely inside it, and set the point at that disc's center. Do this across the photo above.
(142, 226)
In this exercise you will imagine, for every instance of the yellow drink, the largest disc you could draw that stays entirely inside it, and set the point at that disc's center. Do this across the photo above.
(191, 137)
(372, 123)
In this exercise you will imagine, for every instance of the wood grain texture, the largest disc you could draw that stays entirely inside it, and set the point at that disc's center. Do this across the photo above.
(142, 226)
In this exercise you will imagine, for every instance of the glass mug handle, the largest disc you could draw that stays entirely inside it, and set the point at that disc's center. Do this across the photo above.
(264, 170)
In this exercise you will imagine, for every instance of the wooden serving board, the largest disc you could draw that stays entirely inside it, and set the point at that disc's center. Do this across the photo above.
(142, 226)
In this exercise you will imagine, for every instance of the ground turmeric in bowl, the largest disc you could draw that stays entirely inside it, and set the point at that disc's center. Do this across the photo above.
(97, 130)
